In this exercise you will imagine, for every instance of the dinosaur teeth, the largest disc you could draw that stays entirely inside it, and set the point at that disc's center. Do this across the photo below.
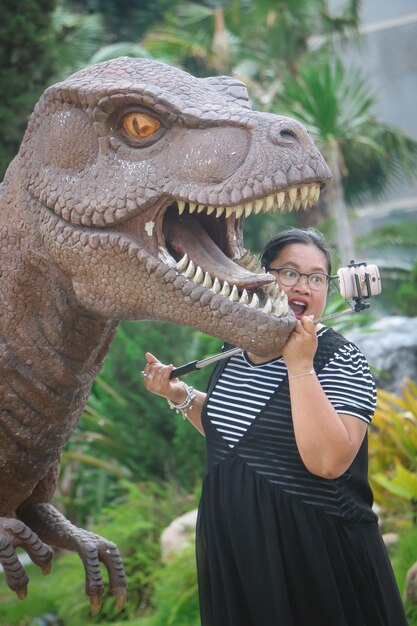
(272, 290)
(268, 306)
(292, 194)
(280, 199)
(244, 298)
(276, 302)
(290, 199)
(225, 289)
(199, 276)
(254, 303)
(248, 208)
(269, 202)
(208, 283)
(234, 296)
(216, 286)
(251, 263)
(259, 204)
(239, 209)
(190, 271)
(182, 263)
(281, 305)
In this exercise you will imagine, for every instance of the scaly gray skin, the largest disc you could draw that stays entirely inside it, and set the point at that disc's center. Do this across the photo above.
(108, 215)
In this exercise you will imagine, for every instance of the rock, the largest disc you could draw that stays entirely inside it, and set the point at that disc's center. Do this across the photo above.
(390, 540)
(390, 345)
(179, 534)
(410, 589)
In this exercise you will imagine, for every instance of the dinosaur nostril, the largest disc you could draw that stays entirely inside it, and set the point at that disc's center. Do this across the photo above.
(287, 134)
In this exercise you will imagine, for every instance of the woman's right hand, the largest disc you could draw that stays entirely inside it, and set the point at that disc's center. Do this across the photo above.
(156, 378)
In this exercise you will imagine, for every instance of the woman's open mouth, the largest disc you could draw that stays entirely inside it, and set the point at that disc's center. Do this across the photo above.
(298, 306)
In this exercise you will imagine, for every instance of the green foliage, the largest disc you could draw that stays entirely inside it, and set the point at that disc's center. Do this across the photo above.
(26, 64)
(404, 555)
(176, 593)
(77, 37)
(337, 108)
(126, 431)
(147, 425)
(393, 454)
(407, 293)
(125, 20)
(256, 40)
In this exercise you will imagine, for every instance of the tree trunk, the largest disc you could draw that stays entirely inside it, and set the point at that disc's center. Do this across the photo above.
(338, 208)
(220, 45)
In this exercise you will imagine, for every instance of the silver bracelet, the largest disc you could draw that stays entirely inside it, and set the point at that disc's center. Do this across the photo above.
(184, 406)
(304, 374)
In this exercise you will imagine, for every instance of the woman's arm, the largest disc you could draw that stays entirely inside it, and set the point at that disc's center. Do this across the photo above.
(159, 382)
(327, 441)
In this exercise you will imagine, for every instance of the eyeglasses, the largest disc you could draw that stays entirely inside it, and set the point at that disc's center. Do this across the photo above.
(289, 277)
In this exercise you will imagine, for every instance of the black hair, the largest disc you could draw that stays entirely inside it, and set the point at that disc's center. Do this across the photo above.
(307, 236)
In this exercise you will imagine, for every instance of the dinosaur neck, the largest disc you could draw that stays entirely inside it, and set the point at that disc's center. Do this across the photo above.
(50, 353)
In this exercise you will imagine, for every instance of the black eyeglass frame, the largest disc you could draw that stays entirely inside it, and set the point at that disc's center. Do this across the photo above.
(328, 277)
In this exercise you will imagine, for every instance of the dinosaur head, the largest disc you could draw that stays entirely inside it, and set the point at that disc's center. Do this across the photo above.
(142, 176)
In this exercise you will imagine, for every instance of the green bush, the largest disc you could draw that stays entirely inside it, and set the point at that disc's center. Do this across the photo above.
(407, 293)
(176, 593)
(26, 65)
(404, 556)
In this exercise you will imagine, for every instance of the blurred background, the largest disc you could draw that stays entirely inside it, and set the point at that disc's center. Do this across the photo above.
(348, 71)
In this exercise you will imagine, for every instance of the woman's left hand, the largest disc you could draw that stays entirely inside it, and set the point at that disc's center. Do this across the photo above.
(299, 351)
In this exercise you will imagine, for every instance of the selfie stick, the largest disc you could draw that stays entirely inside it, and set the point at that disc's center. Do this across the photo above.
(357, 304)
(192, 366)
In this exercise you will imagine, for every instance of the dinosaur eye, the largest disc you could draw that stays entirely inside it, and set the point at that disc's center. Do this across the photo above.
(140, 125)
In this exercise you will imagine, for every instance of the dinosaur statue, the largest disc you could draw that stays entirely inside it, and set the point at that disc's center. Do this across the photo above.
(126, 201)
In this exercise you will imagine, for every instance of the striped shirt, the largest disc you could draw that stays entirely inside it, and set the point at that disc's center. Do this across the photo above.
(244, 388)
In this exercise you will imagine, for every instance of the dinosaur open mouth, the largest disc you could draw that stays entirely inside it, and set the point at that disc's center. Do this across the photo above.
(203, 244)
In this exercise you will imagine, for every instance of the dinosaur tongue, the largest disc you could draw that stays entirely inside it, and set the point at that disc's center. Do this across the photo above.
(187, 236)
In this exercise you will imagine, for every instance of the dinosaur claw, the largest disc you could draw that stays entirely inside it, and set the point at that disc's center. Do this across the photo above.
(120, 597)
(95, 604)
(22, 593)
(46, 569)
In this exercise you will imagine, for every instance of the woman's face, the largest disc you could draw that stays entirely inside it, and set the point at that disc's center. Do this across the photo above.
(306, 259)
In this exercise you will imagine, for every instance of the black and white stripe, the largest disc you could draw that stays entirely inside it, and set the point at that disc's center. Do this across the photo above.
(243, 389)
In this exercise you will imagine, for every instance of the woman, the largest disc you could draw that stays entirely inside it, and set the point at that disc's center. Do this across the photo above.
(286, 534)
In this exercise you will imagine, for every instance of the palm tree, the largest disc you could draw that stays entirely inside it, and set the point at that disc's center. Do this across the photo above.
(77, 37)
(252, 38)
(365, 155)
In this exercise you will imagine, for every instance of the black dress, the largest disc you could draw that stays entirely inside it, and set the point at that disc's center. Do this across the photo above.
(279, 546)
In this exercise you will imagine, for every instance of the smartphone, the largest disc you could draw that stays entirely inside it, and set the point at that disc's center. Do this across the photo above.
(359, 281)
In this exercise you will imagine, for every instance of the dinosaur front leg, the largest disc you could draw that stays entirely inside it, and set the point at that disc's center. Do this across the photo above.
(14, 534)
(53, 528)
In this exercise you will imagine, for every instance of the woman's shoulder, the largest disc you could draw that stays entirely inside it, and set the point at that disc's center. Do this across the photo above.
(330, 338)
(334, 346)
